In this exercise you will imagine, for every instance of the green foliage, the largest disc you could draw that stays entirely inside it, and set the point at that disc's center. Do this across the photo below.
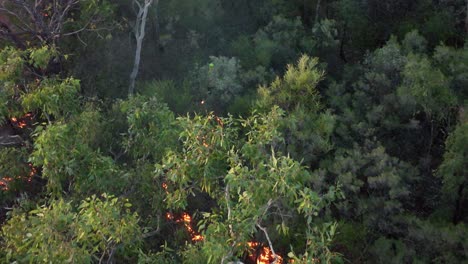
(58, 233)
(20, 82)
(232, 170)
(12, 63)
(453, 170)
(69, 162)
(414, 42)
(368, 152)
(389, 251)
(353, 239)
(40, 57)
(53, 97)
(387, 61)
(437, 243)
(298, 87)
(355, 22)
(375, 185)
(148, 121)
(276, 43)
(308, 135)
(454, 65)
(426, 87)
(439, 27)
(218, 82)
(14, 170)
(164, 90)
(197, 15)
(306, 129)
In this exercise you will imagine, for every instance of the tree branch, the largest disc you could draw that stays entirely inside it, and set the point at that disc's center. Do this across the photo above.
(269, 242)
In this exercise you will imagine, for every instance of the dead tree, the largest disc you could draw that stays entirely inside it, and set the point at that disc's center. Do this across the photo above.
(139, 31)
(44, 20)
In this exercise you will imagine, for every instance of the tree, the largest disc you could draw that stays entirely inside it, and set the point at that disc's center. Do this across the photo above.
(49, 21)
(453, 171)
(99, 229)
(255, 192)
(139, 32)
(308, 127)
(376, 186)
(218, 83)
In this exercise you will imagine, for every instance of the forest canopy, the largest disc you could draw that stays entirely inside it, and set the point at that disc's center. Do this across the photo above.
(222, 131)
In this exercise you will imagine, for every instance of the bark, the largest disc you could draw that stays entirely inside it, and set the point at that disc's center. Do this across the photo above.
(457, 215)
(317, 11)
(342, 44)
(139, 36)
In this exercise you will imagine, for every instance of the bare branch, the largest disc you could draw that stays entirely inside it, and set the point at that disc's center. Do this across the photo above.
(226, 196)
(269, 243)
(45, 20)
(8, 141)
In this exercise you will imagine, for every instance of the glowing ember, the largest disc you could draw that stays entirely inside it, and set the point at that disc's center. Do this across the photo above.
(4, 182)
(263, 254)
(186, 219)
(169, 216)
(21, 122)
(220, 122)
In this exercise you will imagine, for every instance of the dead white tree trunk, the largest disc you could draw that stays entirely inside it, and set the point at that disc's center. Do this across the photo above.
(139, 29)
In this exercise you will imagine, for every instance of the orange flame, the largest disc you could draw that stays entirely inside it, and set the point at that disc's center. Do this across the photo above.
(169, 216)
(187, 220)
(21, 122)
(4, 182)
(263, 254)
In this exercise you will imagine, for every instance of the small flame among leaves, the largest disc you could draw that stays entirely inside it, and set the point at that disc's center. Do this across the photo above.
(21, 122)
(5, 181)
(186, 219)
(263, 254)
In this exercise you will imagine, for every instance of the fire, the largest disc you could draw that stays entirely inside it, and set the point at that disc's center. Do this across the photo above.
(4, 182)
(264, 255)
(187, 220)
(21, 122)
(169, 216)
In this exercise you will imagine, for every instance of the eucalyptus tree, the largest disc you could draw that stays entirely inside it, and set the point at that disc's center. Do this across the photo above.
(139, 32)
